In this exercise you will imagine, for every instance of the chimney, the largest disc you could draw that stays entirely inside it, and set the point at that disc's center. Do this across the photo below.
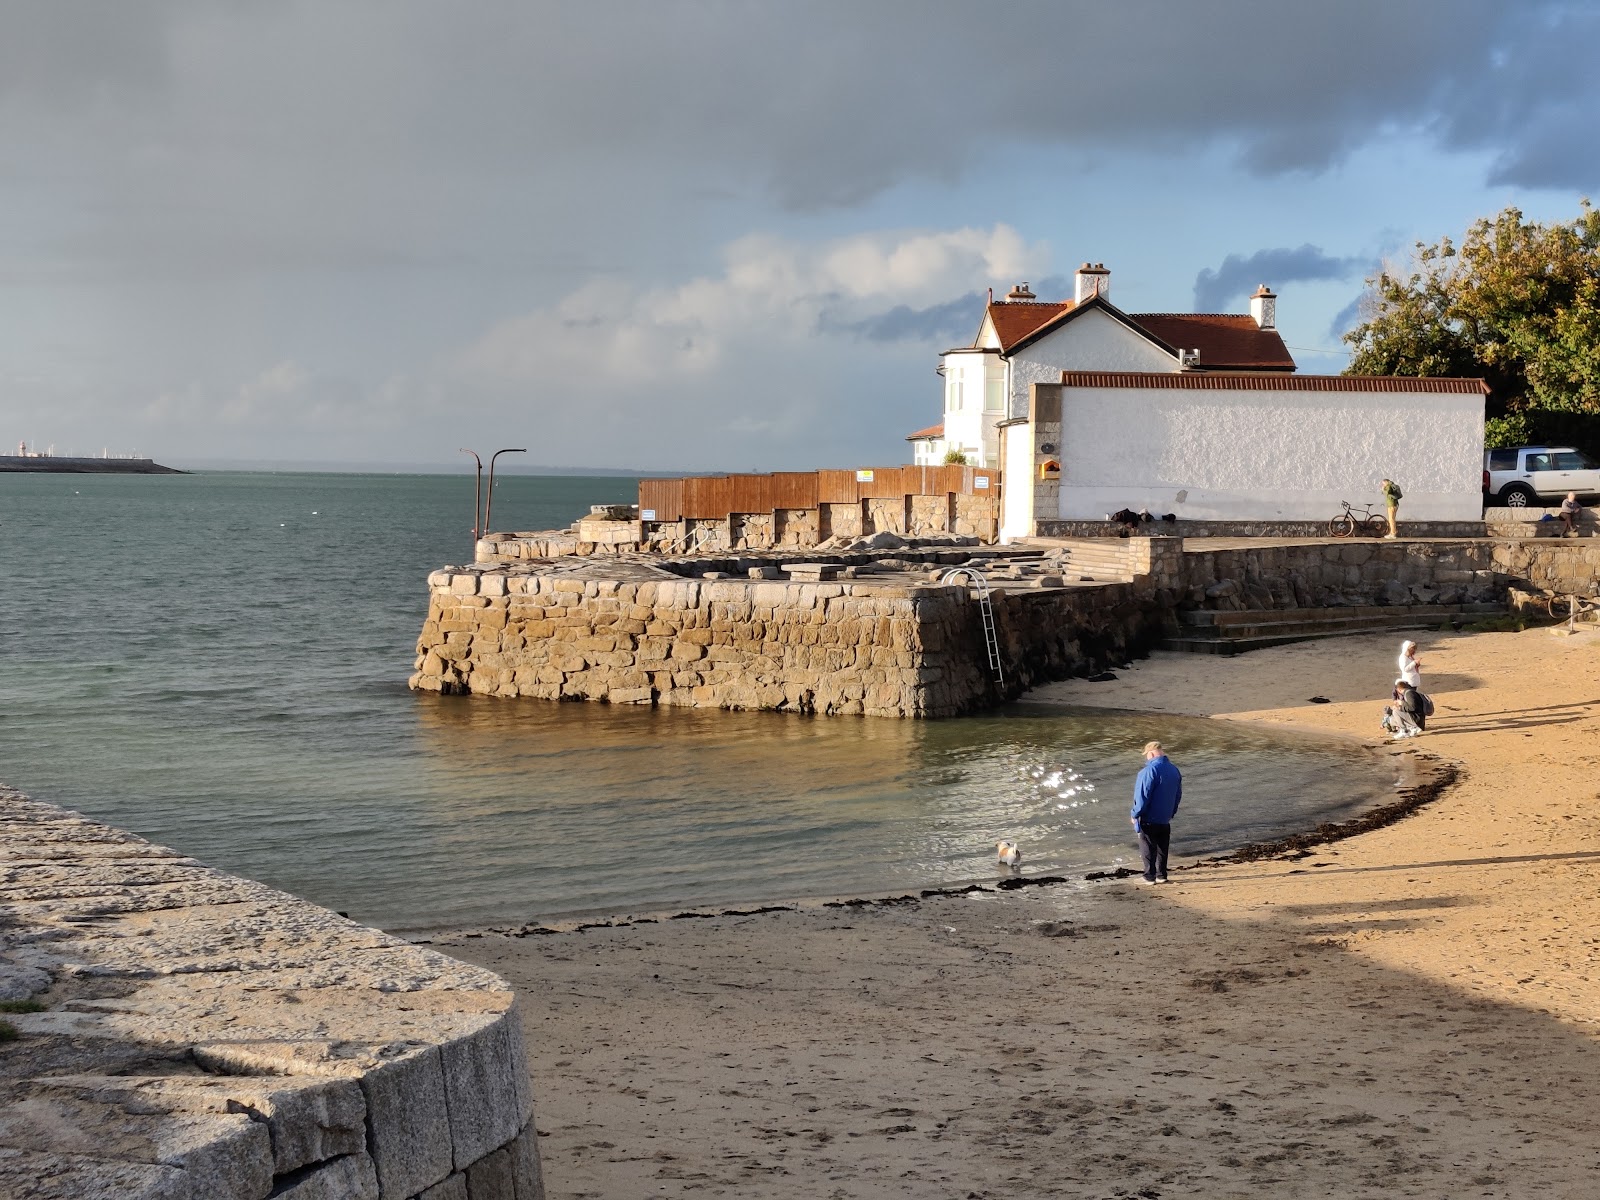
(1021, 292)
(1093, 280)
(1264, 308)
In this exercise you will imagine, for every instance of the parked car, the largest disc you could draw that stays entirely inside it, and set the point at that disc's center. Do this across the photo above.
(1520, 476)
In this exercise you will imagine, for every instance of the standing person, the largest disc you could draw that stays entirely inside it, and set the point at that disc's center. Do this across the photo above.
(1570, 508)
(1410, 665)
(1156, 796)
(1391, 501)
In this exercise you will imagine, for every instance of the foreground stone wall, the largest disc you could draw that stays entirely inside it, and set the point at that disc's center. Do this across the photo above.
(203, 1037)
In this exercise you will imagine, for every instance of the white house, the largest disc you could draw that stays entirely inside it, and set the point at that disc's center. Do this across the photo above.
(1024, 340)
(1088, 409)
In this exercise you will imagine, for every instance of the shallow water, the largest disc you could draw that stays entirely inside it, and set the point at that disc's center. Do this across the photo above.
(218, 662)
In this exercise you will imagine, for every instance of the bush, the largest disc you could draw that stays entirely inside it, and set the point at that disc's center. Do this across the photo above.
(954, 458)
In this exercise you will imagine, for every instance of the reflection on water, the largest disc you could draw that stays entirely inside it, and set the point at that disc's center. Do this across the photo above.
(583, 808)
(218, 662)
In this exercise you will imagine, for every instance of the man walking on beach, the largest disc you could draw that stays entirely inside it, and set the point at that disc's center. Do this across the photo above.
(1156, 795)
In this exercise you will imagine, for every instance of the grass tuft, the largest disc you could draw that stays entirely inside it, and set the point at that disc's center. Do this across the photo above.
(22, 1006)
(8, 1032)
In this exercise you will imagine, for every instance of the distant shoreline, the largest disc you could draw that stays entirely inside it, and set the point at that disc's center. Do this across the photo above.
(62, 465)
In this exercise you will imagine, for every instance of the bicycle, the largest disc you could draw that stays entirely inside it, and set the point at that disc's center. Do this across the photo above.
(1375, 524)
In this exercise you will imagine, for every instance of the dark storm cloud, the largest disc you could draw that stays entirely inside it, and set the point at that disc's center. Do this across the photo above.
(405, 112)
(1239, 274)
(952, 323)
(902, 323)
(1346, 318)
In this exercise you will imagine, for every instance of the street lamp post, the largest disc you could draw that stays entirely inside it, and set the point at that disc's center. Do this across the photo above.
(489, 503)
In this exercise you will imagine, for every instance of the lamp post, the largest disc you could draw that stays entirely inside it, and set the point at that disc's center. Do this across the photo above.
(489, 503)
(477, 498)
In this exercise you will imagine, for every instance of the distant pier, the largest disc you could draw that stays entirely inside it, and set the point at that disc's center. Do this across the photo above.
(65, 465)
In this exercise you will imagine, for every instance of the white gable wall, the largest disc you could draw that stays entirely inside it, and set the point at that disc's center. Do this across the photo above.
(1268, 455)
(1091, 341)
(1016, 491)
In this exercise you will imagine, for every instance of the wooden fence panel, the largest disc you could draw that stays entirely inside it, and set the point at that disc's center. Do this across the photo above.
(707, 497)
(663, 496)
(795, 489)
(714, 497)
(837, 487)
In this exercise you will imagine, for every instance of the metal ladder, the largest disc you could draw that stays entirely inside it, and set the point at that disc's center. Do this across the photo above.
(990, 642)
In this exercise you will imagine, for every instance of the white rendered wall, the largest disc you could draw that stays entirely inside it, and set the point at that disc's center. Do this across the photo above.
(1091, 342)
(1016, 482)
(971, 427)
(1259, 455)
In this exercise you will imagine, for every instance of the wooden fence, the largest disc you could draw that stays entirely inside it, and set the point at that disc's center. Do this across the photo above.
(715, 497)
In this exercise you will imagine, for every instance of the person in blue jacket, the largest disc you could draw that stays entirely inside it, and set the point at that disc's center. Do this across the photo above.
(1156, 795)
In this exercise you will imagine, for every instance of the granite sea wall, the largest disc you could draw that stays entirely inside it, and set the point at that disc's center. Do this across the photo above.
(908, 647)
(731, 632)
(190, 1035)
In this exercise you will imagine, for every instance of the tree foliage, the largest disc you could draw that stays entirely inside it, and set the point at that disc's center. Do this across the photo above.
(1517, 303)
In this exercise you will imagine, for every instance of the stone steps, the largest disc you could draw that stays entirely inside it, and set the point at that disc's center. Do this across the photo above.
(1230, 633)
(1103, 559)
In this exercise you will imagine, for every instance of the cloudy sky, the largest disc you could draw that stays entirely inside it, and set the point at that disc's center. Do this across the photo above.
(702, 234)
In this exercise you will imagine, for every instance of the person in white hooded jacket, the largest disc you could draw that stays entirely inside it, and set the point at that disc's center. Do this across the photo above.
(1410, 665)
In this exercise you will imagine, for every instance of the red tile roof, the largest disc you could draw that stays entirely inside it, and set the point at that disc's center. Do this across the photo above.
(932, 431)
(1250, 382)
(1226, 341)
(1015, 320)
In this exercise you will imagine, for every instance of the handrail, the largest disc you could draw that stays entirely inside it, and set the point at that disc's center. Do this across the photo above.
(991, 642)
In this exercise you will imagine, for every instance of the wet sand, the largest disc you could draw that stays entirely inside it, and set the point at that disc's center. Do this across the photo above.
(1411, 1011)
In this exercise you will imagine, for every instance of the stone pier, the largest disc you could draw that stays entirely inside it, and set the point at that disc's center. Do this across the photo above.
(172, 1032)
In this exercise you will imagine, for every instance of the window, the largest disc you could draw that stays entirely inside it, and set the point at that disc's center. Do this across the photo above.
(994, 395)
(1536, 462)
(1574, 461)
(1502, 460)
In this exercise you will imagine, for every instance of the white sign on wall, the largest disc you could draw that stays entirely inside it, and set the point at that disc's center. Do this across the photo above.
(647, 514)
(863, 476)
(980, 482)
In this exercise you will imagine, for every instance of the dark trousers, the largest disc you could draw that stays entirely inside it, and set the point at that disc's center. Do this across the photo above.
(1153, 843)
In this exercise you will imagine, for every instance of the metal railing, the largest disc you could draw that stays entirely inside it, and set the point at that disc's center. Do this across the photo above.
(991, 641)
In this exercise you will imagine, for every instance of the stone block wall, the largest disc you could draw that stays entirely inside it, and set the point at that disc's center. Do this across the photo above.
(203, 1037)
(796, 527)
(805, 647)
(841, 520)
(847, 647)
(977, 516)
(1571, 567)
(1340, 574)
(884, 514)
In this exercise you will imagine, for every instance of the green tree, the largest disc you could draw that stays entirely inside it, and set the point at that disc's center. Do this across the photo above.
(1517, 303)
(955, 458)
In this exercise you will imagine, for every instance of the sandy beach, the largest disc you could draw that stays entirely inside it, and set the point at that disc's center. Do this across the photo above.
(1408, 1012)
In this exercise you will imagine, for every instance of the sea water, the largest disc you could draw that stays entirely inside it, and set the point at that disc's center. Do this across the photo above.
(218, 662)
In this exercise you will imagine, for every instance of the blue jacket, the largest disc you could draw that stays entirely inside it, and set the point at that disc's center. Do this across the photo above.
(1157, 792)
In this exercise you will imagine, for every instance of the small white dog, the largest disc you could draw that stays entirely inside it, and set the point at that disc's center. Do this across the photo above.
(1008, 853)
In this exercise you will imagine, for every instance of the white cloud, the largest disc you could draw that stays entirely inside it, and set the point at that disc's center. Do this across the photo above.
(772, 293)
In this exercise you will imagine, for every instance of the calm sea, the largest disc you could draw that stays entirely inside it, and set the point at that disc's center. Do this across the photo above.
(218, 662)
